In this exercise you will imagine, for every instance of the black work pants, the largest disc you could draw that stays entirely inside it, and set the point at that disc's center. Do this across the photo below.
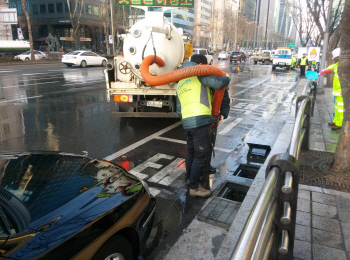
(198, 146)
(302, 70)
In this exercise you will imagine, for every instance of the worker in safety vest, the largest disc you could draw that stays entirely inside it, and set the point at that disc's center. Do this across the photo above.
(302, 63)
(194, 105)
(338, 104)
(294, 61)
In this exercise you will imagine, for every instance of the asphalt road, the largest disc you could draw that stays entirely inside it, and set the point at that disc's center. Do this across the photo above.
(53, 107)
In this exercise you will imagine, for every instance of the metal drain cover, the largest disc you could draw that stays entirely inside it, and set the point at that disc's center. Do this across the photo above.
(220, 212)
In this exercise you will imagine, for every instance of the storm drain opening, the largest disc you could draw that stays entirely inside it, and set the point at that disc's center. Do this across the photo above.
(248, 171)
(233, 191)
(258, 153)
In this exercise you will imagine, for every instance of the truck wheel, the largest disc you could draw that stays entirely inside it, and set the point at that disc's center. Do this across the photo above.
(288, 67)
(255, 62)
(273, 67)
(69, 65)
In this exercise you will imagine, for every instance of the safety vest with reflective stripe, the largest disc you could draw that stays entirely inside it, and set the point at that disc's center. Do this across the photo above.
(336, 82)
(303, 61)
(195, 98)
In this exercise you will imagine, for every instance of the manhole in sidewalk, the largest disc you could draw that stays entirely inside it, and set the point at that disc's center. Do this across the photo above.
(248, 171)
(258, 153)
(233, 191)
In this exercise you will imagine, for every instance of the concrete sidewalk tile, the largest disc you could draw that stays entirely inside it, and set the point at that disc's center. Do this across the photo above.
(337, 193)
(324, 198)
(304, 194)
(327, 253)
(345, 227)
(343, 208)
(303, 218)
(317, 145)
(303, 233)
(347, 243)
(327, 224)
(317, 189)
(304, 187)
(324, 210)
(303, 205)
(326, 238)
(302, 250)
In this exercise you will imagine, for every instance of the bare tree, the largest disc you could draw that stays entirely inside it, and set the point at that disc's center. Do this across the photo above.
(303, 21)
(29, 30)
(75, 18)
(342, 152)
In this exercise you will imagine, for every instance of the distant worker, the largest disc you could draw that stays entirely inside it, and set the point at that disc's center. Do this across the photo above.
(302, 63)
(338, 104)
(194, 98)
(294, 61)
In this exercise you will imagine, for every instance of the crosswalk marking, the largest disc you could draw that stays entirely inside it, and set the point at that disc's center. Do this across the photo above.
(167, 175)
(154, 192)
(151, 162)
(230, 126)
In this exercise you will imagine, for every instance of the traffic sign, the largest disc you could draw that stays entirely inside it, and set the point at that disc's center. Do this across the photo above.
(291, 44)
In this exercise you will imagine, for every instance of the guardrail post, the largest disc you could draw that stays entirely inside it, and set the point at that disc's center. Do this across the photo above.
(307, 121)
(285, 217)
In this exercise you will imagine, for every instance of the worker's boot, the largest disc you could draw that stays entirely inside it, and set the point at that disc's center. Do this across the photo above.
(335, 127)
(331, 123)
(200, 192)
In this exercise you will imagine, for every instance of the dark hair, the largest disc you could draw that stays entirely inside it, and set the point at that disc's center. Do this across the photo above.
(199, 58)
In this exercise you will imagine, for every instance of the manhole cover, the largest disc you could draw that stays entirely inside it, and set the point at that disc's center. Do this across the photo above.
(248, 171)
(220, 212)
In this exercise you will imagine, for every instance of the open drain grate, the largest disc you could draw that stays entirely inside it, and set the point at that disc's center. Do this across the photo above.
(248, 171)
(233, 191)
(257, 153)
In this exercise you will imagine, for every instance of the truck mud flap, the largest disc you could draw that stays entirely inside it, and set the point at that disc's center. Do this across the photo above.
(146, 114)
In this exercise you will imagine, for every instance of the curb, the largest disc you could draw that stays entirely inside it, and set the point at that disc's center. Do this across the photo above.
(27, 64)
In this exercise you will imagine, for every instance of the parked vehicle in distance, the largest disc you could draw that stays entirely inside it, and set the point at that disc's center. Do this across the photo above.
(83, 59)
(204, 52)
(13, 47)
(264, 57)
(223, 56)
(38, 55)
(63, 206)
(282, 59)
(237, 56)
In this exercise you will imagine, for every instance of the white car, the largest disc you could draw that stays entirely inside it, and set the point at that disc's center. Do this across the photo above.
(83, 59)
(38, 55)
(282, 58)
(223, 56)
(204, 52)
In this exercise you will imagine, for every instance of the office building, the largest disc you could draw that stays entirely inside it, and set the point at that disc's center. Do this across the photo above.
(202, 23)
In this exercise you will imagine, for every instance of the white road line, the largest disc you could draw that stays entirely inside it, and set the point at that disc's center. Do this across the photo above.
(141, 142)
(250, 87)
(13, 100)
(167, 175)
(85, 83)
(24, 85)
(230, 126)
(33, 74)
(222, 150)
(5, 71)
(154, 192)
(151, 162)
(171, 140)
(247, 112)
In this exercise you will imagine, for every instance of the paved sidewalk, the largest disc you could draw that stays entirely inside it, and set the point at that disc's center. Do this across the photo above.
(323, 224)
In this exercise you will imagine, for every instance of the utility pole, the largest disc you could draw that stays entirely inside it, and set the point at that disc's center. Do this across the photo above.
(112, 21)
(320, 89)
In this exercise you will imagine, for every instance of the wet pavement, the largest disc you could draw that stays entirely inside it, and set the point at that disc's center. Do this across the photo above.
(53, 107)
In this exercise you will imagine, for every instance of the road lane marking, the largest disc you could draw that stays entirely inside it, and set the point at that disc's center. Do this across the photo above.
(250, 87)
(154, 192)
(230, 126)
(222, 150)
(171, 140)
(24, 85)
(151, 162)
(13, 100)
(33, 74)
(141, 142)
(167, 175)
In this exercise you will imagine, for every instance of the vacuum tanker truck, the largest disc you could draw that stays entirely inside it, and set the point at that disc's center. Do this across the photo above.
(154, 35)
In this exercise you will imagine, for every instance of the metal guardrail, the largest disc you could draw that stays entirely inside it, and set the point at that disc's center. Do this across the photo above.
(270, 228)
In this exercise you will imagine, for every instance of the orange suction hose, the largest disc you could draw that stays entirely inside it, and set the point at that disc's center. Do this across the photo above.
(177, 75)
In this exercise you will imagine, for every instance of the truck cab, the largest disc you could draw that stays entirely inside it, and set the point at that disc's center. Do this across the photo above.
(282, 59)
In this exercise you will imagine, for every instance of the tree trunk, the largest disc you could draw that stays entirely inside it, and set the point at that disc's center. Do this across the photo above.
(29, 30)
(342, 152)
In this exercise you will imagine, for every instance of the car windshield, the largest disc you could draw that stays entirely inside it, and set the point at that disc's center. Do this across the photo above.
(235, 53)
(25, 53)
(73, 53)
(283, 52)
